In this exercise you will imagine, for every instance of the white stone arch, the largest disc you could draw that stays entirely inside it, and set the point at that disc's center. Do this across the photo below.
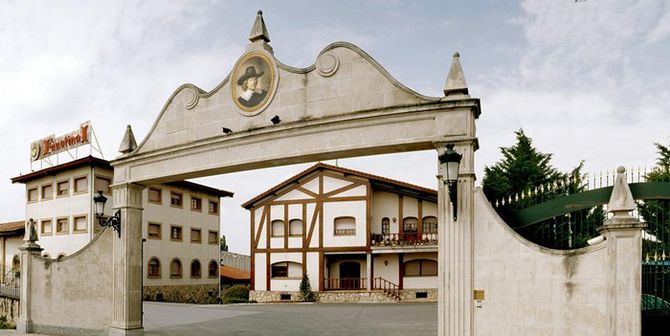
(344, 105)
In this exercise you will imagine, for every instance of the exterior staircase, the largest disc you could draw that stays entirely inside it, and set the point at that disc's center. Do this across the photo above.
(390, 289)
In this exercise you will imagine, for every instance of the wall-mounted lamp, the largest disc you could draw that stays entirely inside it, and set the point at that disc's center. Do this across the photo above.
(386, 262)
(114, 221)
(227, 130)
(453, 160)
(275, 120)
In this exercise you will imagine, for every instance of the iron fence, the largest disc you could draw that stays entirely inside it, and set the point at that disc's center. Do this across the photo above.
(10, 282)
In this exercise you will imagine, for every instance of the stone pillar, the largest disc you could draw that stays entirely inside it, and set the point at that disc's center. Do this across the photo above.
(455, 247)
(127, 261)
(29, 250)
(623, 234)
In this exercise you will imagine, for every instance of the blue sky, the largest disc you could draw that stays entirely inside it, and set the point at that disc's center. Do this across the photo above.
(586, 80)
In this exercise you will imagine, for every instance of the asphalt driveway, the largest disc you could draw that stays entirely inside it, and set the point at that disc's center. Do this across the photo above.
(290, 319)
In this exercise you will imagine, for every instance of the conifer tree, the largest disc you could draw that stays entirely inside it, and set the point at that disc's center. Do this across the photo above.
(306, 289)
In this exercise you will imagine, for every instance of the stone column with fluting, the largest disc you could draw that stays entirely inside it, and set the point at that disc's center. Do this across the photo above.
(127, 259)
(29, 250)
(455, 252)
(623, 234)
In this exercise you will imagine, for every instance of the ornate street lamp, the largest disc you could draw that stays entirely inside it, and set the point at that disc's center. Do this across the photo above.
(453, 160)
(114, 221)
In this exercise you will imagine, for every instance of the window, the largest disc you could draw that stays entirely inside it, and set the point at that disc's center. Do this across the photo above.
(213, 269)
(154, 270)
(80, 224)
(62, 226)
(32, 195)
(295, 227)
(429, 224)
(175, 199)
(277, 228)
(213, 237)
(196, 237)
(196, 204)
(63, 188)
(345, 226)
(155, 195)
(102, 184)
(196, 271)
(409, 225)
(175, 268)
(47, 228)
(80, 184)
(154, 231)
(286, 270)
(47, 191)
(213, 208)
(421, 267)
(175, 233)
(386, 226)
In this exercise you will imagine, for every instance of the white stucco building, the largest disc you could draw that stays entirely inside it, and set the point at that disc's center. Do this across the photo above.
(359, 237)
(180, 227)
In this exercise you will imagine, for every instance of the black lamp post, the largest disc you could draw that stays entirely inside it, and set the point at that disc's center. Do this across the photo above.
(453, 160)
(114, 221)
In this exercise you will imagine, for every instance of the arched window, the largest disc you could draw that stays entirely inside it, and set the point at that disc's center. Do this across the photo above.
(213, 269)
(429, 224)
(386, 226)
(409, 225)
(287, 269)
(421, 267)
(175, 268)
(295, 227)
(154, 268)
(345, 226)
(196, 270)
(277, 228)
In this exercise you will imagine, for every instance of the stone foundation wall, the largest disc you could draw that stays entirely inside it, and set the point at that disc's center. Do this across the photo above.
(182, 293)
(9, 308)
(407, 295)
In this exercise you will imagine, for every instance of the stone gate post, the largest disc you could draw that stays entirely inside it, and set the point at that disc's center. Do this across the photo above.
(29, 250)
(623, 234)
(127, 261)
(455, 252)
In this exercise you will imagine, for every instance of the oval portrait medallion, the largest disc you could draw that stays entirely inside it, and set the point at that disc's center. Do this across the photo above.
(254, 82)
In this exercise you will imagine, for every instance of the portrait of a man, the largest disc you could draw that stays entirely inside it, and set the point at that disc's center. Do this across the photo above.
(252, 93)
(254, 80)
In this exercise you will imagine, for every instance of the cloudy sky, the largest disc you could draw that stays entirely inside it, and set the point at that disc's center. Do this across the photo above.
(587, 80)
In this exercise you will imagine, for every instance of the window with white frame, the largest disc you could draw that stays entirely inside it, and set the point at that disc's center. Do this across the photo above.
(277, 228)
(286, 269)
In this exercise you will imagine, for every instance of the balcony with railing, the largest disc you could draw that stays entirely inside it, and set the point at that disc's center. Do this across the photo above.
(10, 282)
(344, 283)
(403, 239)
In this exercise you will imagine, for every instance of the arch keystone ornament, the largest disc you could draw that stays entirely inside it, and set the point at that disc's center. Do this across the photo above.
(254, 81)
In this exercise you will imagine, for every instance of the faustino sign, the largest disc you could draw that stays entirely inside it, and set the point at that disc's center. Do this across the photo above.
(52, 145)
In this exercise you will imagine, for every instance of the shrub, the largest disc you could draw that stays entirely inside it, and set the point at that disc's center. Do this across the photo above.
(236, 294)
(306, 289)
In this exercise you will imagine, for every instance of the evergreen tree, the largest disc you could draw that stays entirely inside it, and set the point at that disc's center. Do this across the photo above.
(306, 289)
(522, 167)
(656, 213)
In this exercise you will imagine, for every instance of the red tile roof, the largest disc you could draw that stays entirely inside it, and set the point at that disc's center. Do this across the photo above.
(233, 273)
(377, 181)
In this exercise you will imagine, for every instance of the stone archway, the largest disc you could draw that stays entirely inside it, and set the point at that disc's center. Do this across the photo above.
(344, 105)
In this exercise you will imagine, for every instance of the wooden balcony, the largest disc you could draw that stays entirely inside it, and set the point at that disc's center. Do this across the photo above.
(344, 283)
(406, 239)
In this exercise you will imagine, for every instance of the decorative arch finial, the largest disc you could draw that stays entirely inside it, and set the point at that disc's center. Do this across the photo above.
(258, 30)
(456, 79)
(128, 143)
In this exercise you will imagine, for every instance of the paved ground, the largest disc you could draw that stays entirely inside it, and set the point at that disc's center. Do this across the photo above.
(170, 319)
(291, 319)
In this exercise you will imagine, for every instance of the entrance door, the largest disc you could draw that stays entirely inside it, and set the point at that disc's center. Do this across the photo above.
(350, 275)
